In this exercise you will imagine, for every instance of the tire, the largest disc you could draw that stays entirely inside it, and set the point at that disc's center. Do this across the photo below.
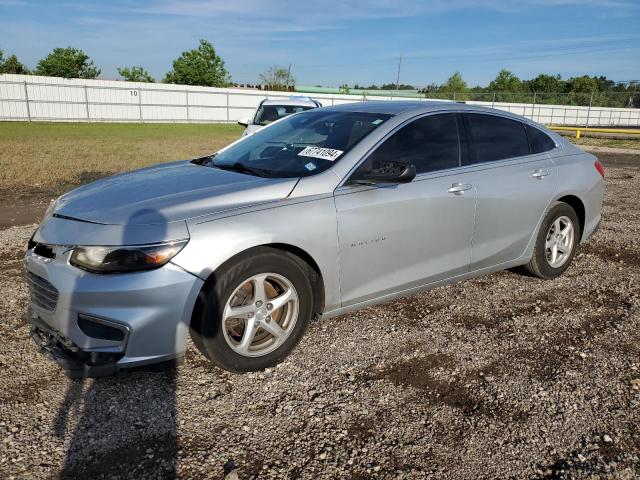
(222, 338)
(541, 264)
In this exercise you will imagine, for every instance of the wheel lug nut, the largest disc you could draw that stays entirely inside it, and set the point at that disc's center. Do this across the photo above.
(268, 319)
(259, 303)
(269, 306)
(250, 315)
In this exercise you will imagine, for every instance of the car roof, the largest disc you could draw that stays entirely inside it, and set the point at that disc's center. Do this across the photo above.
(414, 107)
(390, 107)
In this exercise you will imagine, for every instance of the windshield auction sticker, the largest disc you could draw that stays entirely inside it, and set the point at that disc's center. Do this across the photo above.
(321, 152)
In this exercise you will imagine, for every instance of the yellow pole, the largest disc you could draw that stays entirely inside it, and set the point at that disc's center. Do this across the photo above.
(577, 134)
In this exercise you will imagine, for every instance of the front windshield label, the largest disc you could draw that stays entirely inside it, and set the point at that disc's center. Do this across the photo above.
(330, 154)
(310, 166)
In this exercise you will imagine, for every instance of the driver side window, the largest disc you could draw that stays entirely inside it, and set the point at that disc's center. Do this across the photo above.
(430, 143)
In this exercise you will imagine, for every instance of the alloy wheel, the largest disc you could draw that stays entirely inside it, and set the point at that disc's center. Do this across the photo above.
(260, 314)
(559, 242)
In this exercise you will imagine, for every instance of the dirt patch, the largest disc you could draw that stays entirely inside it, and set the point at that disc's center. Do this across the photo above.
(594, 458)
(445, 389)
(565, 347)
(472, 322)
(22, 208)
(414, 372)
(29, 391)
(618, 159)
(615, 254)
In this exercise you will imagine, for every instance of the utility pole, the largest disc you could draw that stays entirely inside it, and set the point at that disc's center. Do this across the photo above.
(288, 76)
(398, 76)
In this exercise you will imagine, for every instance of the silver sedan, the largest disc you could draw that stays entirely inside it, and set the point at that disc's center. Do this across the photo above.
(318, 214)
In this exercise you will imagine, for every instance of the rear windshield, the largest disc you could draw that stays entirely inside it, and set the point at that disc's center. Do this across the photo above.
(298, 146)
(270, 113)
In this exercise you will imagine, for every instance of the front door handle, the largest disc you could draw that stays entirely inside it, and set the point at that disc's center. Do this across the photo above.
(459, 188)
(540, 174)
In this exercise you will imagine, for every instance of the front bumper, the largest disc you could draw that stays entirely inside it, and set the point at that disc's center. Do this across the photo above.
(75, 362)
(151, 309)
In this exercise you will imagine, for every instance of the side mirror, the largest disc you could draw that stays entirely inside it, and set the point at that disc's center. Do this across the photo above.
(389, 172)
(244, 122)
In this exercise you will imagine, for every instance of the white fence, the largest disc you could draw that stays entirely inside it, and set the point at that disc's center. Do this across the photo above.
(35, 98)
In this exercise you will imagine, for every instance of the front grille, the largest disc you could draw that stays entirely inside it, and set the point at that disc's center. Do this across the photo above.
(43, 294)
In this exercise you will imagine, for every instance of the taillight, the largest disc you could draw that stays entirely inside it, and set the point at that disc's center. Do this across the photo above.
(599, 167)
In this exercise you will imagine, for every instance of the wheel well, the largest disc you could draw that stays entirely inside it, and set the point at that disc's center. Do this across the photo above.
(317, 283)
(577, 205)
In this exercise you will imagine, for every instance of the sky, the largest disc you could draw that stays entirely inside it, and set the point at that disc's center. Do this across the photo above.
(334, 42)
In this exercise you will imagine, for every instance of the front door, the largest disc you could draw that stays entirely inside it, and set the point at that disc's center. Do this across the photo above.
(396, 237)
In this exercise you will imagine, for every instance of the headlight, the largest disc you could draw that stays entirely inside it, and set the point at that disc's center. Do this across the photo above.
(125, 259)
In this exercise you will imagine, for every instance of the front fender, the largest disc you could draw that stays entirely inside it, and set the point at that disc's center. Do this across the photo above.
(309, 225)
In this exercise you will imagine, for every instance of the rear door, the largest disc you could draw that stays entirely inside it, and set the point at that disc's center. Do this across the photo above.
(515, 182)
(396, 237)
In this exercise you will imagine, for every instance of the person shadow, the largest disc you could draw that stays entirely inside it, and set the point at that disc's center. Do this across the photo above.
(122, 426)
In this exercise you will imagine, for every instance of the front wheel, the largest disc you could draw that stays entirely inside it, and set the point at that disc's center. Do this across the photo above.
(556, 242)
(254, 311)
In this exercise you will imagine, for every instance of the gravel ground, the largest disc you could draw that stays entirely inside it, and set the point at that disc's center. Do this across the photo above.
(504, 376)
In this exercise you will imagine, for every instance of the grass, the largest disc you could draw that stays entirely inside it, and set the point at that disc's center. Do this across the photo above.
(631, 143)
(55, 156)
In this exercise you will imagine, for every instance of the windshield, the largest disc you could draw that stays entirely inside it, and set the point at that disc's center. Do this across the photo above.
(270, 113)
(300, 145)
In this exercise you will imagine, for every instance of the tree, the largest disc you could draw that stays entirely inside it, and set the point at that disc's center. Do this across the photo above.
(135, 74)
(583, 84)
(505, 81)
(430, 89)
(547, 84)
(201, 66)
(548, 88)
(344, 88)
(455, 84)
(506, 84)
(276, 78)
(67, 63)
(582, 88)
(604, 84)
(392, 86)
(12, 65)
(634, 98)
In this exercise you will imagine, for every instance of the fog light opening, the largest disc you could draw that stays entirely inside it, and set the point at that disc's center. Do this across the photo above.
(101, 329)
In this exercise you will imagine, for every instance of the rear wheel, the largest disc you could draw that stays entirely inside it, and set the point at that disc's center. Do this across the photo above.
(254, 311)
(556, 242)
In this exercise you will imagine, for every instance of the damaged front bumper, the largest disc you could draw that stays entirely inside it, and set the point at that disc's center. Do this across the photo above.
(94, 325)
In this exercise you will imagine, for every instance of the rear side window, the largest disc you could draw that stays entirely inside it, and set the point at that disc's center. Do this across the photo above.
(430, 143)
(539, 141)
(496, 138)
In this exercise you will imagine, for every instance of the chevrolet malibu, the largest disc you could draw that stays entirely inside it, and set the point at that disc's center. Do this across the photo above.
(321, 213)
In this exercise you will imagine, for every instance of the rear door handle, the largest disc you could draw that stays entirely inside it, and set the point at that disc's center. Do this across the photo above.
(540, 174)
(459, 188)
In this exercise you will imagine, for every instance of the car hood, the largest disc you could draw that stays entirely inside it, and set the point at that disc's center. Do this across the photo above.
(168, 193)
